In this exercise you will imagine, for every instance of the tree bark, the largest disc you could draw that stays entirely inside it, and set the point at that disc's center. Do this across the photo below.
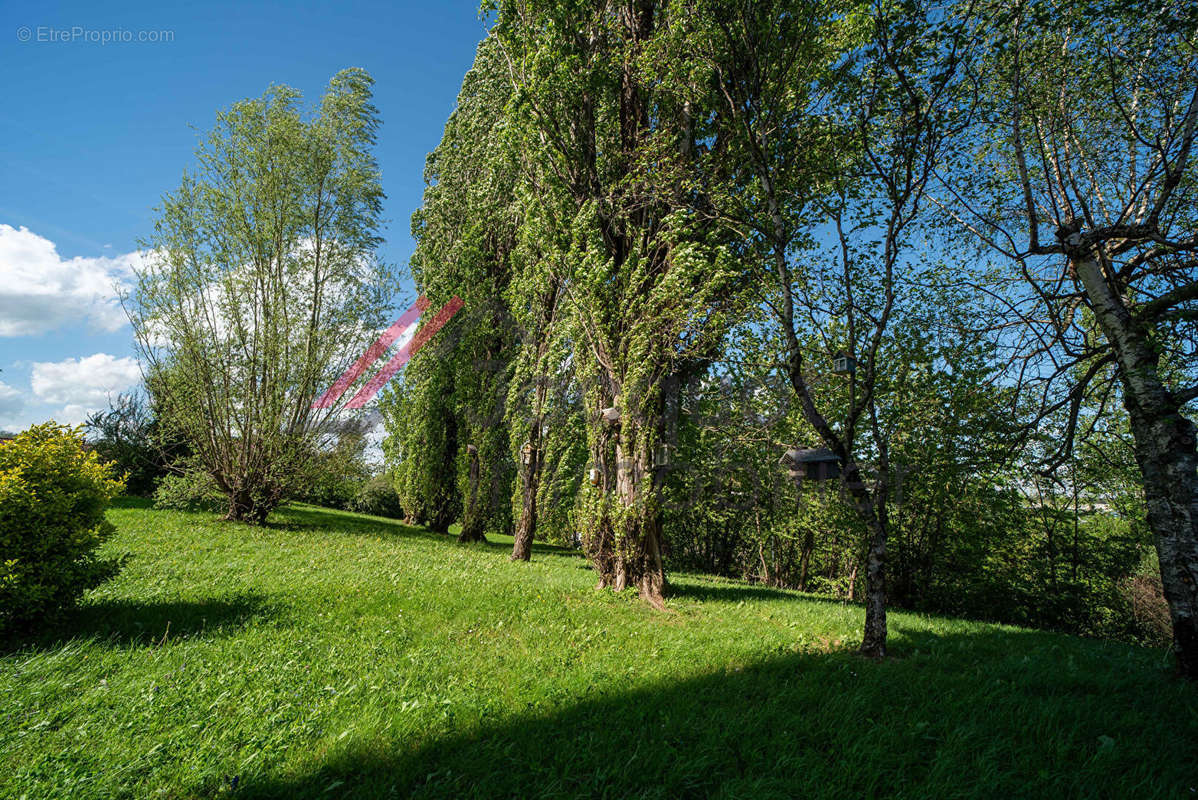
(639, 548)
(1165, 451)
(526, 525)
(472, 521)
(599, 539)
(873, 643)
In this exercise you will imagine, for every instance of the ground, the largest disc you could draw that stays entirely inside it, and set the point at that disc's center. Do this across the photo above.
(339, 655)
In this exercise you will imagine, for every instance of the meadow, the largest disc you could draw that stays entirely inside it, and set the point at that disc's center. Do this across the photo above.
(340, 655)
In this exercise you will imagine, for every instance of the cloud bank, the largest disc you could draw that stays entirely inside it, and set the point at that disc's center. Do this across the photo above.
(82, 386)
(41, 291)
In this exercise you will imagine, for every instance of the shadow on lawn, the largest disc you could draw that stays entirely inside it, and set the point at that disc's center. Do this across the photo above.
(735, 592)
(132, 623)
(295, 516)
(1002, 713)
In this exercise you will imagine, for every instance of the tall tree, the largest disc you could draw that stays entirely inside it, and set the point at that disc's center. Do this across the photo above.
(837, 117)
(262, 285)
(646, 282)
(454, 458)
(1085, 181)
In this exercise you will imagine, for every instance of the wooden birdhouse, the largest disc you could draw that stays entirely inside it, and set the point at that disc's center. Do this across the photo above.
(813, 464)
(526, 453)
(610, 415)
(661, 456)
(843, 363)
(593, 476)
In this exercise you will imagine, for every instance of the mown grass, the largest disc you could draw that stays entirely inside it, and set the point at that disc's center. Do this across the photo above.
(336, 655)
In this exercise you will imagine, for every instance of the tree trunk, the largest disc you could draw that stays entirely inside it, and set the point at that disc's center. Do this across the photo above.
(472, 520)
(599, 539)
(527, 524)
(244, 507)
(874, 642)
(1165, 451)
(638, 549)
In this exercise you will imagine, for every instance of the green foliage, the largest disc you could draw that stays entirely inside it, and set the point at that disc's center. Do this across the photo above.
(53, 494)
(346, 657)
(129, 436)
(263, 286)
(458, 384)
(378, 497)
(338, 471)
(191, 489)
(422, 441)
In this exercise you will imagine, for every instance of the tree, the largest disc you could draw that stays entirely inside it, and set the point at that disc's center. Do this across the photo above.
(449, 434)
(421, 445)
(648, 284)
(1084, 181)
(262, 286)
(836, 119)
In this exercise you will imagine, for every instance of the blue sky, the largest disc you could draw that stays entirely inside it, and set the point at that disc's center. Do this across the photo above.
(95, 131)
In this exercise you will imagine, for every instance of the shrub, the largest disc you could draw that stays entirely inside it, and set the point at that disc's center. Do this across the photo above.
(1149, 612)
(336, 472)
(331, 490)
(130, 437)
(189, 490)
(378, 497)
(53, 494)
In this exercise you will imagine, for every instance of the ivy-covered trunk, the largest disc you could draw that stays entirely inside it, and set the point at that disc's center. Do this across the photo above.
(530, 476)
(473, 520)
(1165, 451)
(638, 523)
(599, 534)
(526, 525)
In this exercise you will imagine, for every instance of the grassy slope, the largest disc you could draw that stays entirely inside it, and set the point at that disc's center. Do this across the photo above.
(338, 655)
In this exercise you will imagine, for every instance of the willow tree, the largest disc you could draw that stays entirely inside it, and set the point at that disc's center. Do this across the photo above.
(262, 286)
(647, 281)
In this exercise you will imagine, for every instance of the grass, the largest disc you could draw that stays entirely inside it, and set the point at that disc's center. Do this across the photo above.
(338, 655)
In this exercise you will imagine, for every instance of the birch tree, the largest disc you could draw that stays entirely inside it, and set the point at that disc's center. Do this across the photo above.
(1084, 183)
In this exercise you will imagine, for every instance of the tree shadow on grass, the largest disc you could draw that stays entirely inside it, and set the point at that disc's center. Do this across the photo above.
(132, 501)
(1000, 713)
(133, 623)
(298, 516)
(735, 592)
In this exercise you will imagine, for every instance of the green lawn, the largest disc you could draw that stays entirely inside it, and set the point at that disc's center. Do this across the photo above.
(339, 655)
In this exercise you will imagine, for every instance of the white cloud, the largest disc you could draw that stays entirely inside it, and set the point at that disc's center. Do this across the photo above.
(83, 385)
(11, 401)
(41, 291)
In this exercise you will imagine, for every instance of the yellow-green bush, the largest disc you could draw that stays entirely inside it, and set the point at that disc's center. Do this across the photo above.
(53, 494)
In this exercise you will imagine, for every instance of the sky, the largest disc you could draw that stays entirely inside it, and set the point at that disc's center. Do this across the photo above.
(103, 111)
